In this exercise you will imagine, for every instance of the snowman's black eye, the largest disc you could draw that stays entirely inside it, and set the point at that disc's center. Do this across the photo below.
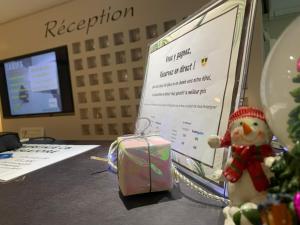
(255, 124)
(241, 123)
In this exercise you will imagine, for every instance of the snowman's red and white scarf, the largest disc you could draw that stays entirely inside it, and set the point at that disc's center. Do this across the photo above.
(250, 158)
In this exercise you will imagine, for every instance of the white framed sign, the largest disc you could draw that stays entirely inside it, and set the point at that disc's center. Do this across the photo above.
(193, 82)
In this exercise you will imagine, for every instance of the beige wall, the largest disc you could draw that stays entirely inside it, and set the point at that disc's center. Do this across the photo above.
(27, 35)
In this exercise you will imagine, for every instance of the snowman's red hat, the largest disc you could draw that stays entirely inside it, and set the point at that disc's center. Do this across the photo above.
(243, 112)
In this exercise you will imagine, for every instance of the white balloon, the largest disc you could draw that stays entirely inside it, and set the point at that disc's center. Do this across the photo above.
(276, 83)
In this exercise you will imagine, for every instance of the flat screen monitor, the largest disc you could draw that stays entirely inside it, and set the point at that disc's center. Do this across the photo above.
(36, 84)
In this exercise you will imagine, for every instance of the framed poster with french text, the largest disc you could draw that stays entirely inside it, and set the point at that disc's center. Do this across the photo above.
(194, 80)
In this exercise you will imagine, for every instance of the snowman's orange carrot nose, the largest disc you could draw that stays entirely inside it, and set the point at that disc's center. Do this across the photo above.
(247, 129)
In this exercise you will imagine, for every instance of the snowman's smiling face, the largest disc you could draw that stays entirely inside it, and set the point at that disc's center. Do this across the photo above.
(249, 131)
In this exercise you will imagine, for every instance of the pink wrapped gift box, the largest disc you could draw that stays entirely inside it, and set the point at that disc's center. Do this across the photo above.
(144, 165)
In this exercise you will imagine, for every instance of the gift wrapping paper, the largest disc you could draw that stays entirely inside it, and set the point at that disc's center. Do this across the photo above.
(144, 164)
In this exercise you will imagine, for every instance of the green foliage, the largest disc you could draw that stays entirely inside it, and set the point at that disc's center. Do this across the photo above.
(296, 79)
(286, 170)
(294, 124)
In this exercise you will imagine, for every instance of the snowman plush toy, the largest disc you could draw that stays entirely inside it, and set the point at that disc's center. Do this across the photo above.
(246, 172)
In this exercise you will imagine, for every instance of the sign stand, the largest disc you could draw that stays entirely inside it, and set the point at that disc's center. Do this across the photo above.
(192, 84)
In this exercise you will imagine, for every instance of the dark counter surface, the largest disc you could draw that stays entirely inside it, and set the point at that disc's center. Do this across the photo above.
(80, 191)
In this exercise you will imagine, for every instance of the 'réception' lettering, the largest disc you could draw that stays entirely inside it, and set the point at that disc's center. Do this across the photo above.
(56, 28)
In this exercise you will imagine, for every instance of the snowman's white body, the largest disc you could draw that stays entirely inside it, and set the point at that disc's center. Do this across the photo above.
(244, 132)
(243, 191)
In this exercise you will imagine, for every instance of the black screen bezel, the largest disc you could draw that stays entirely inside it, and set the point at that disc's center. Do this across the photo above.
(64, 78)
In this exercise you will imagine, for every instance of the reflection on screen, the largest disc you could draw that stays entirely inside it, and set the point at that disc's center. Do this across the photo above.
(32, 84)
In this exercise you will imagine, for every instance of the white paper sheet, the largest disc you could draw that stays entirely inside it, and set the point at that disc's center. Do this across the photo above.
(31, 157)
(185, 86)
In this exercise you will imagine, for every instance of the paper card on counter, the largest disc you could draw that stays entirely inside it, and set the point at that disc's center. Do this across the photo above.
(31, 157)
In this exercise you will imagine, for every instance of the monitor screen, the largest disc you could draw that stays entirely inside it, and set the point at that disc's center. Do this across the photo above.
(36, 84)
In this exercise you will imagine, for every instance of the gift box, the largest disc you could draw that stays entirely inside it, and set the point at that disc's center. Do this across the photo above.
(144, 164)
